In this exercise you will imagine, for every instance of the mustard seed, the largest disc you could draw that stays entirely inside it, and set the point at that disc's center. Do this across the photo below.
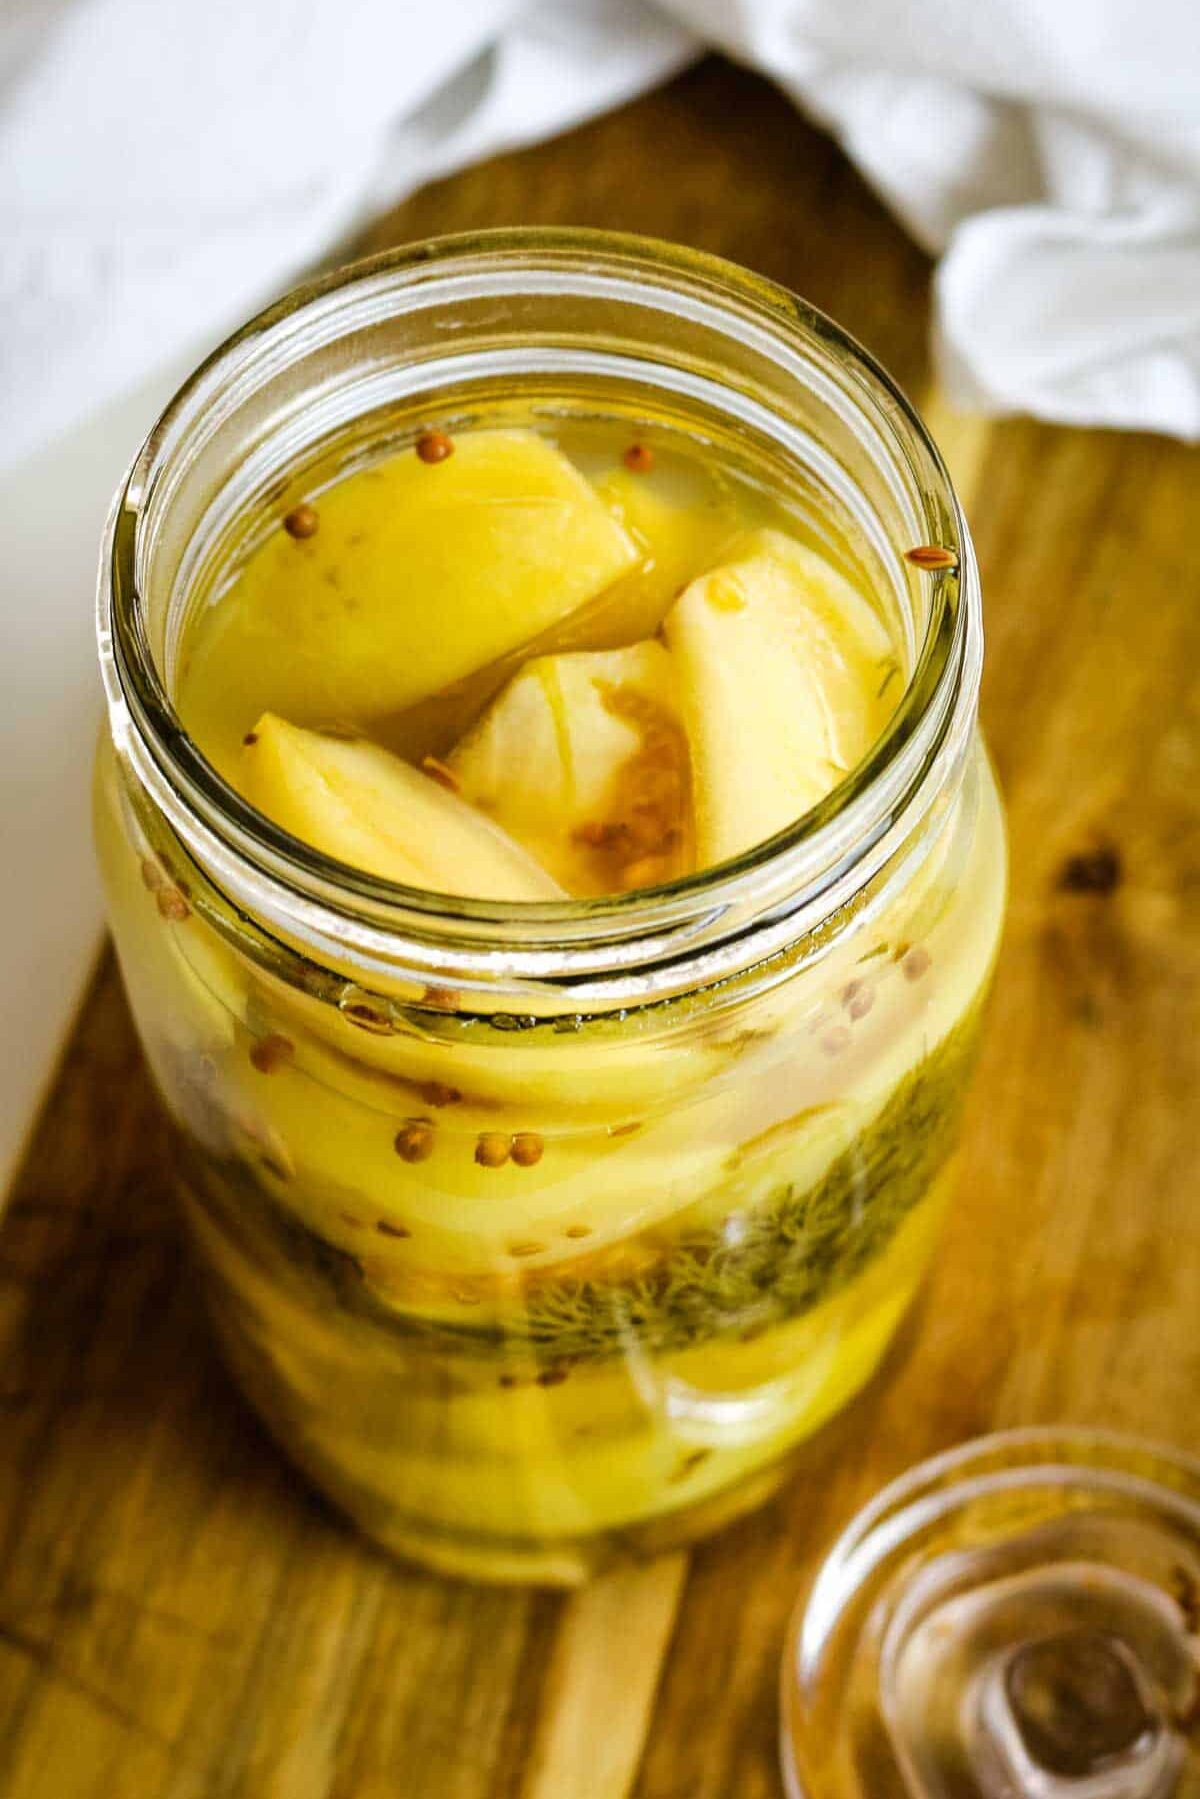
(492, 1149)
(302, 521)
(931, 556)
(527, 1149)
(439, 1093)
(434, 446)
(414, 1141)
(639, 459)
(916, 963)
(171, 905)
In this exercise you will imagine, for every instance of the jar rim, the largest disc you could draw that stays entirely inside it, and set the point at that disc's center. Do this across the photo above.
(703, 924)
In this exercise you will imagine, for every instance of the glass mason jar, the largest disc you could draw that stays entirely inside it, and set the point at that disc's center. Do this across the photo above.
(728, 1106)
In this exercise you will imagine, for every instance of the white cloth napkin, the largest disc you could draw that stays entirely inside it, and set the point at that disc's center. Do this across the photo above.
(164, 169)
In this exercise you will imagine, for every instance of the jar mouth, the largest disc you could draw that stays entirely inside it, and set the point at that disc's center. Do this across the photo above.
(711, 921)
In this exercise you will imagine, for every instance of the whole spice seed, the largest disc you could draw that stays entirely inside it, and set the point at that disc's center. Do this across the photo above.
(271, 1052)
(414, 1141)
(931, 556)
(492, 1149)
(916, 963)
(434, 446)
(552, 1377)
(250, 738)
(302, 521)
(438, 1093)
(578, 1230)
(437, 771)
(171, 905)
(527, 1149)
(639, 459)
(153, 877)
(387, 1229)
(526, 1249)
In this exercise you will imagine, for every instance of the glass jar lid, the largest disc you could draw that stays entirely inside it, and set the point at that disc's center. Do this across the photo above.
(1019, 1617)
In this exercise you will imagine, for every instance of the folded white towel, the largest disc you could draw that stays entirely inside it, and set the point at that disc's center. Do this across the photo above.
(1050, 151)
(164, 169)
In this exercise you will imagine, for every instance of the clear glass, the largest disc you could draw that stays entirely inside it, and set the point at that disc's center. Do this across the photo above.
(1016, 1619)
(744, 1087)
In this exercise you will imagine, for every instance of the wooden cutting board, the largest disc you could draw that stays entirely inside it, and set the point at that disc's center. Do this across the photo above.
(181, 1619)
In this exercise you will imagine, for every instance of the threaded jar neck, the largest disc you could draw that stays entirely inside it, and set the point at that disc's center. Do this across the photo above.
(449, 322)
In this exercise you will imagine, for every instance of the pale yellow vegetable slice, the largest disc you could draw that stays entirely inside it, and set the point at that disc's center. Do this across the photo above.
(677, 539)
(362, 805)
(787, 676)
(583, 759)
(417, 575)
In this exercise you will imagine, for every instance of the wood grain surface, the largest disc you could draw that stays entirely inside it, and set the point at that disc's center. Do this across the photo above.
(181, 1619)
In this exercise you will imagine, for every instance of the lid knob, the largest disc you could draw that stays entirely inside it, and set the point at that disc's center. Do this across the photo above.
(1071, 1714)
(1077, 1703)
